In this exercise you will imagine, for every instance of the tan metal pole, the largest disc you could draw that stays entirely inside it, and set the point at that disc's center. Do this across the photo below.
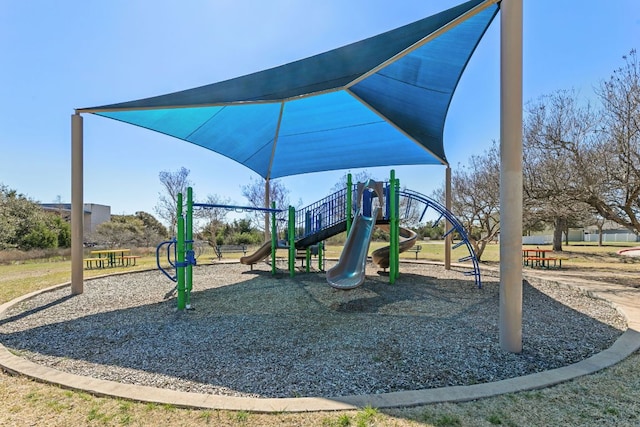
(511, 175)
(267, 204)
(447, 226)
(77, 205)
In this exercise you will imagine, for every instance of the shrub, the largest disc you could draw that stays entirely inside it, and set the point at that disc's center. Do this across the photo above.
(39, 237)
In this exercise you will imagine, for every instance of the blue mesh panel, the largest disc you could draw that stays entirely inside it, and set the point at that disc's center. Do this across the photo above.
(415, 91)
(336, 131)
(327, 124)
(369, 145)
(334, 110)
(175, 122)
(239, 131)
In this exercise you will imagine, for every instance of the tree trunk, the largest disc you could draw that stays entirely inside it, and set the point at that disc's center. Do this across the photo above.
(476, 248)
(558, 227)
(600, 227)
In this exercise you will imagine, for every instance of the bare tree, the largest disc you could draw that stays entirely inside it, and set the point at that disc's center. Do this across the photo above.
(173, 183)
(577, 156)
(254, 192)
(558, 133)
(599, 222)
(214, 218)
(618, 198)
(475, 198)
(361, 176)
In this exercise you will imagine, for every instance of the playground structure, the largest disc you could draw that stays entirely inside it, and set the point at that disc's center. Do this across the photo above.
(357, 93)
(377, 204)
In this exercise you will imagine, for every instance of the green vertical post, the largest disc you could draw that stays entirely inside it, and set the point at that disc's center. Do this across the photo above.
(349, 206)
(393, 223)
(189, 247)
(274, 239)
(396, 207)
(308, 258)
(180, 255)
(292, 240)
(320, 250)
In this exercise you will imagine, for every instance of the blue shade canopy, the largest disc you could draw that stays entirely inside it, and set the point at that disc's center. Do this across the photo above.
(377, 102)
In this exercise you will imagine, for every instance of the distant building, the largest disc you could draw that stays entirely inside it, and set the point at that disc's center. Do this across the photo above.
(94, 214)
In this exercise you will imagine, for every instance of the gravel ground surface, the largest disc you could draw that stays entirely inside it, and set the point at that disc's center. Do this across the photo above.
(254, 334)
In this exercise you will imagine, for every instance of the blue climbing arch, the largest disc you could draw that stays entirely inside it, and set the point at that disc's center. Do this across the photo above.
(413, 199)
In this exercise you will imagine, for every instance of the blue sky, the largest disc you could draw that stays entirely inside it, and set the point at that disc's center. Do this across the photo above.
(62, 55)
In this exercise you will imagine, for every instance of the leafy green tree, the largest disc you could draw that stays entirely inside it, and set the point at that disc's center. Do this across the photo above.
(214, 218)
(38, 237)
(126, 230)
(379, 235)
(430, 230)
(7, 223)
(152, 225)
(243, 233)
(61, 228)
(239, 232)
(21, 217)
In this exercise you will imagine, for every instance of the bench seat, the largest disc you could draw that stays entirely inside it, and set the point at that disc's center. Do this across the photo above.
(99, 262)
(415, 249)
(128, 260)
(223, 249)
(536, 261)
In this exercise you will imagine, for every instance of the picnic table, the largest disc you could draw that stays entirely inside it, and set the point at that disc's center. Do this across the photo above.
(536, 257)
(110, 257)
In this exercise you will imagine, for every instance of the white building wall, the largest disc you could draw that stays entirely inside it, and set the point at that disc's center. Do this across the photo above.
(94, 215)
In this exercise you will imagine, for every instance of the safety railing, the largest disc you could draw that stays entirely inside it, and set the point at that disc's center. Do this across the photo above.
(322, 214)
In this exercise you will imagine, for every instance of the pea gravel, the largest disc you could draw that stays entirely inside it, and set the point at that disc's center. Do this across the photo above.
(254, 334)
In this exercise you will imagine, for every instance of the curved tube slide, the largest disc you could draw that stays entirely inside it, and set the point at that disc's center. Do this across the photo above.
(349, 273)
(381, 256)
(262, 252)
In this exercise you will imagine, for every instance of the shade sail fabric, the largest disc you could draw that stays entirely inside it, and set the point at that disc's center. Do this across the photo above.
(378, 102)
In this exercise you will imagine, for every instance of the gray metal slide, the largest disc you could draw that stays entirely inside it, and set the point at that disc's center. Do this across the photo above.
(349, 273)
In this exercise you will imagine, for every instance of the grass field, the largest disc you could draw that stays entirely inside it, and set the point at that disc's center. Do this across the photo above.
(609, 397)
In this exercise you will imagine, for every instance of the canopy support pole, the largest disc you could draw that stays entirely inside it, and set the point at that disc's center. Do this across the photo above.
(511, 176)
(448, 240)
(77, 205)
(267, 204)
(267, 179)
